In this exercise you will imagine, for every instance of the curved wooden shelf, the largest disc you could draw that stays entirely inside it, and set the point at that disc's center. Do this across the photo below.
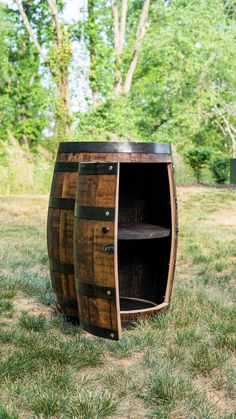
(135, 304)
(133, 308)
(141, 231)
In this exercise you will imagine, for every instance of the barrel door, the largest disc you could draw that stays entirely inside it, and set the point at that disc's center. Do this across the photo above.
(95, 249)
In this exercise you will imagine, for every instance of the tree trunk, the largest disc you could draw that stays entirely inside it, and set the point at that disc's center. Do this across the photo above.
(232, 133)
(92, 37)
(59, 70)
(121, 87)
(63, 126)
(139, 36)
(118, 76)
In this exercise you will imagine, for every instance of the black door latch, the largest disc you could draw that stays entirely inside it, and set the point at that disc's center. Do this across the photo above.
(109, 248)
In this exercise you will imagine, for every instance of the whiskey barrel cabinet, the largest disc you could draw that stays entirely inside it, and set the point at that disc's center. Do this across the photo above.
(125, 234)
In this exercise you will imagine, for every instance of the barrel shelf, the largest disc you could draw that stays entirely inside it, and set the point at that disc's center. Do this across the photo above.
(134, 304)
(141, 231)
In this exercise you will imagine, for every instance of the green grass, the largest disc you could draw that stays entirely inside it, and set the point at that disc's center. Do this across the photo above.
(35, 323)
(177, 365)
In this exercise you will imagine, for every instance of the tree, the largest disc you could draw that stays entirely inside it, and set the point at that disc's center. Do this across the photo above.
(98, 38)
(54, 49)
(123, 86)
(25, 101)
(114, 43)
(226, 121)
(185, 81)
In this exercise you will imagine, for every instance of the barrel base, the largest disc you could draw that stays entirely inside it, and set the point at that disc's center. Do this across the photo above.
(68, 317)
(139, 309)
(66, 307)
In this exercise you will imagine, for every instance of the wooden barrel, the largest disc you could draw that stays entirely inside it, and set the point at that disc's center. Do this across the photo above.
(60, 227)
(125, 235)
(60, 222)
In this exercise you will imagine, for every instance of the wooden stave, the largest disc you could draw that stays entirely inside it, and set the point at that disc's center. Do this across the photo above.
(62, 189)
(98, 313)
(129, 318)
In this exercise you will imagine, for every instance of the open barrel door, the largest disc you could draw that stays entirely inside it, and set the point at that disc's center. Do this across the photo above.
(95, 249)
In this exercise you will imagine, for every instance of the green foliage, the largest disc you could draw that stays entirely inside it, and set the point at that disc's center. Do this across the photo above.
(184, 83)
(4, 413)
(98, 35)
(25, 101)
(24, 172)
(220, 169)
(35, 323)
(114, 119)
(92, 405)
(166, 389)
(197, 158)
(183, 91)
(184, 79)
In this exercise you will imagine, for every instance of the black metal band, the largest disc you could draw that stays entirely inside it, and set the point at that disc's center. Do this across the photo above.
(69, 166)
(96, 291)
(113, 147)
(99, 331)
(58, 266)
(62, 203)
(97, 168)
(94, 213)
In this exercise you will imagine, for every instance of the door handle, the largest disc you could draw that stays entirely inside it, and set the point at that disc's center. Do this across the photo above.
(109, 248)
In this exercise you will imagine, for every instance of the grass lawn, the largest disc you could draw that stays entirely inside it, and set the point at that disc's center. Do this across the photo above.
(178, 365)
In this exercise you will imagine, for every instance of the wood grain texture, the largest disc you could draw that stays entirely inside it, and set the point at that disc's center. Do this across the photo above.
(93, 265)
(129, 317)
(141, 231)
(98, 312)
(98, 191)
(60, 226)
(174, 236)
(116, 157)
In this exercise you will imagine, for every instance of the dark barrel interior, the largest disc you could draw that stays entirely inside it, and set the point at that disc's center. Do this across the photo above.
(144, 234)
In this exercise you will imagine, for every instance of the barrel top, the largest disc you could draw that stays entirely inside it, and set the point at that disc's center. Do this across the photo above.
(114, 147)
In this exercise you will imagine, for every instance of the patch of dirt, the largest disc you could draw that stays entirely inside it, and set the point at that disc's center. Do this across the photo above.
(216, 397)
(224, 217)
(134, 409)
(195, 186)
(126, 362)
(31, 306)
(232, 281)
(28, 305)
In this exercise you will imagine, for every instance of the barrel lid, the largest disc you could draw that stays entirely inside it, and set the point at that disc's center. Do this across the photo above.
(114, 147)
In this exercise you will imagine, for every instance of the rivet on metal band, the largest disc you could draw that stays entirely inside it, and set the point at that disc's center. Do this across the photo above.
(98, 168)
(95, 291)
(94, 213)
(99, 331)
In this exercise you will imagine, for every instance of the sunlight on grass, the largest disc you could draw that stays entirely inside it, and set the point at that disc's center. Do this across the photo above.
(175, 365)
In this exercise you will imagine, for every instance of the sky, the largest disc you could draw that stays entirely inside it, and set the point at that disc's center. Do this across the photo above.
(72, 10)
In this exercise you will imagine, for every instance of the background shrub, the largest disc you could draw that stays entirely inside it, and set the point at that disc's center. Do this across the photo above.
(197, 158)
(220, 169)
